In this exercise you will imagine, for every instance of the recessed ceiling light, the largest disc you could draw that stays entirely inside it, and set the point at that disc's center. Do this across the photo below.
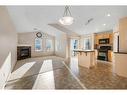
(104, 24)
(108, 14)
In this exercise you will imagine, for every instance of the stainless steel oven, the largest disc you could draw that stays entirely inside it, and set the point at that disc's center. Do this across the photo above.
(103, 55)
(104, 41)
(103, 52)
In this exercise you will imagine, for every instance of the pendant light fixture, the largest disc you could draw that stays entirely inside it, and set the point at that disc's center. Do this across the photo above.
(67, 19)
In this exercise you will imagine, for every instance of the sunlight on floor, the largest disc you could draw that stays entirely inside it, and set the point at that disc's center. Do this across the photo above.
(47, 66)
(46, 80)
(19, 73)
(74, 65)
(5, 70)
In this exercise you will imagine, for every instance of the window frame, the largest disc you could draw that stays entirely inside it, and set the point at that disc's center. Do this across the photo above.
(46, 40)
(40, 44)
(90, 43)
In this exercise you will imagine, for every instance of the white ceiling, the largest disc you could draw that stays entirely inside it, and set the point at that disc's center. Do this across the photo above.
(26, 18)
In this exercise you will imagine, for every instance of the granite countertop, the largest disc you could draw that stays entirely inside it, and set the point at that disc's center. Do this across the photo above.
(81, 50)
(23, 45)
(120, 52)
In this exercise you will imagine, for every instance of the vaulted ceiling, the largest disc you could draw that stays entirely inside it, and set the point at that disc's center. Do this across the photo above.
(44, 18)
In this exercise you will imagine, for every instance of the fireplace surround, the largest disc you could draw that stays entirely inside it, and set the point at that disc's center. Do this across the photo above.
(23, 52)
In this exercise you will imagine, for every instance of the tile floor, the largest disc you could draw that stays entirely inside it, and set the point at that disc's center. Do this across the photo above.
(52, 73)
(101, 76)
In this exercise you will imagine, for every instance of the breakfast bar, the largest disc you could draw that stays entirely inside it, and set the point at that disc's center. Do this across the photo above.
(86, 58)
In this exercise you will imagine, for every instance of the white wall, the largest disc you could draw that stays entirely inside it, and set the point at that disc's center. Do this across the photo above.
(61, 45)
(121, 64)
(28, 38)
(123, 34)
(8, 45)
(120, 58)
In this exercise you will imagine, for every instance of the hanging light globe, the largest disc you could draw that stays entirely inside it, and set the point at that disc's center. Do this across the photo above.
(67, 19)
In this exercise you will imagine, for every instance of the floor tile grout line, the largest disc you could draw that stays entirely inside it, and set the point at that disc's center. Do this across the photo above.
(81, 84)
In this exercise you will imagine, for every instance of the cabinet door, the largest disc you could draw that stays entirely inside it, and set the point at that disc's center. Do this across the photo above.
(96, 39)
(110, 56)
(96, 54)
(100, 36)
(111, 38)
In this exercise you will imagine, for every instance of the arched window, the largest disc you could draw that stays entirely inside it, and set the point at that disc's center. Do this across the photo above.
(38, 44)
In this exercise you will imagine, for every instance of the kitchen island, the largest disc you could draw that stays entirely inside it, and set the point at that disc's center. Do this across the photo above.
(86, 58)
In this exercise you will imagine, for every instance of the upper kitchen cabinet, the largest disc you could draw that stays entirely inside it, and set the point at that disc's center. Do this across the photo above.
(95, 39)
(103, 36)
(111, 38)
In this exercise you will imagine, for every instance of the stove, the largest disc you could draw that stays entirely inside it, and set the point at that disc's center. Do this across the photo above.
(103, 52)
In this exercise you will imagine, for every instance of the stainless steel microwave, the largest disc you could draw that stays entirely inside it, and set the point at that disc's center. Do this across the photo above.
(104, 41)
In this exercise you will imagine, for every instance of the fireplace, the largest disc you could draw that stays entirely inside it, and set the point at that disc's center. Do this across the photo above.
(23, 52)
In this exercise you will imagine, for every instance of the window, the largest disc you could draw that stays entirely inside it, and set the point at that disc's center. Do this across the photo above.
(74, 44)
(38, 44)
(58, 44)
(87, 43)
(48, 44)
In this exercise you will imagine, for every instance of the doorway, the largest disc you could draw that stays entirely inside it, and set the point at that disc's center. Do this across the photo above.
(74, 45)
